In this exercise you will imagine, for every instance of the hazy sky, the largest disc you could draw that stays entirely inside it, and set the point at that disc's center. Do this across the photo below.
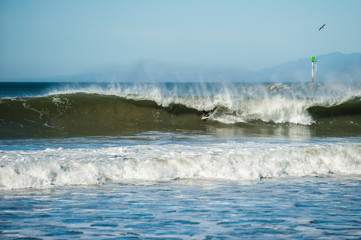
(53, 37)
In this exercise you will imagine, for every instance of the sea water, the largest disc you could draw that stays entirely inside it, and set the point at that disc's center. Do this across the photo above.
(129, 161)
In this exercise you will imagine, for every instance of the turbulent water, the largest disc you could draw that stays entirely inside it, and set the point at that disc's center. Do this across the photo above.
(135, 160)
(55, 110)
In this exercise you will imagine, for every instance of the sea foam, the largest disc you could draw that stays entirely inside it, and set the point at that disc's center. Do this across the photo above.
(225, 161)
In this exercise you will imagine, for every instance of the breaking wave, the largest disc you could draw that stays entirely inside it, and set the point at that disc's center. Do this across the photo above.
(94, 111)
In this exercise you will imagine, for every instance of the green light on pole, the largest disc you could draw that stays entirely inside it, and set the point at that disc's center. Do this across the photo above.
(313, 60)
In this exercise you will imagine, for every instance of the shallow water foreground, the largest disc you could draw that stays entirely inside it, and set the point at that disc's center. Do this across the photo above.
(286, 208)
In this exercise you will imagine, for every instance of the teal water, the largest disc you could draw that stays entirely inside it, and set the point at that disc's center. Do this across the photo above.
(292, 208)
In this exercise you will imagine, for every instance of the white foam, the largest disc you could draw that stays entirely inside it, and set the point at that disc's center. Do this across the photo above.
(281, 104)
(276, 109)
(227, 161)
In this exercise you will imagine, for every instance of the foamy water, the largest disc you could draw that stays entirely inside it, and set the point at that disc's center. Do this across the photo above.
(225, 161)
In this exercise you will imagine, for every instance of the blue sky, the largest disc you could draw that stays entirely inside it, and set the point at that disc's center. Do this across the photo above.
(41, 38)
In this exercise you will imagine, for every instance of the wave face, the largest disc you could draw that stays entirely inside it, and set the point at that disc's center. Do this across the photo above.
(245, 161)
(63, 109)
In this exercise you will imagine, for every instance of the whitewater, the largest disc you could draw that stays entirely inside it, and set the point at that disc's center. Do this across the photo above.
(135, 161)
(51, 168)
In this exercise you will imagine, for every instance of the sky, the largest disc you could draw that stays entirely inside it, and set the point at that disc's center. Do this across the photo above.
(41, 38)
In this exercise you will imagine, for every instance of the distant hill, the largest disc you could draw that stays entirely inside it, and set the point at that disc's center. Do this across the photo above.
(330, 67)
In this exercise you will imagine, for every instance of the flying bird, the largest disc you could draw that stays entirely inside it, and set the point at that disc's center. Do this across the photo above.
(322, 27)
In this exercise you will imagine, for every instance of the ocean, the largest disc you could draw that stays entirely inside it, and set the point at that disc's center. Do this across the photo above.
(136, 160)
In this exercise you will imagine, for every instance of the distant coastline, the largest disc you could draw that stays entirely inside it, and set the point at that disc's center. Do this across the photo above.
(331, 67)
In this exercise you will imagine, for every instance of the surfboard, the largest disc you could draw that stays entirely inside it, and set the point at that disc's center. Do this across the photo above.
(206, 115)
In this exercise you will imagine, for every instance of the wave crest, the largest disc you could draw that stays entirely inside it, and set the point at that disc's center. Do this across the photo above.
(150, 108)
